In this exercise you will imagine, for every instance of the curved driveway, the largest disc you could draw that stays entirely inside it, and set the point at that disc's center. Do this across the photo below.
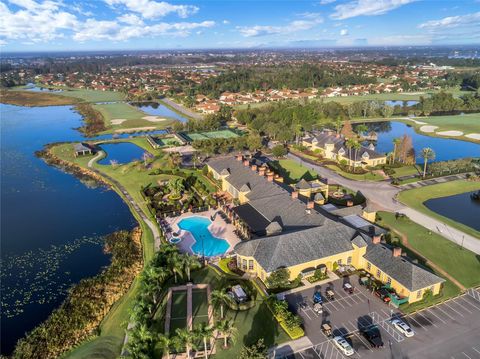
(383, 194)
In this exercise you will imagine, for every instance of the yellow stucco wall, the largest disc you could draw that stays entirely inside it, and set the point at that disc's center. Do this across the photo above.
(369, 216)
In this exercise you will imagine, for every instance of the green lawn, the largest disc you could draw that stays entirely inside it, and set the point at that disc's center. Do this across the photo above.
(251, 324)
(460, 263)
(292, 171)
(416, 197)
(91, 95)
(467, 123)
(449, 290)
(405, 171)
(369, 176)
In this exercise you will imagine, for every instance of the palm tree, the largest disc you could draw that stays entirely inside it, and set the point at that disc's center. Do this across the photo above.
(205, 332)
(175, 264)
(356, 146)
(184, 338)
(189, 262)
(396, 142)
(349, 145)
(166, 343)
(174, 159)
(176, 186)
(228, 330)
(338, 125)
(219, 298)
(427, 154)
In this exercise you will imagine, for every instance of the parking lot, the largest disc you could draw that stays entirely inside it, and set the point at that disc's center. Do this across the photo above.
(449, 330)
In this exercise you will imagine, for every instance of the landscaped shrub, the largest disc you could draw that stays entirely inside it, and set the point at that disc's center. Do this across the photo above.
(279, 278)
(290, 322)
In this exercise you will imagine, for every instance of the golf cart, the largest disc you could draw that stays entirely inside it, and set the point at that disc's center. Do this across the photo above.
(330, 294)
(318, 308)
(348, 288)
(317, 297)
(327, 329)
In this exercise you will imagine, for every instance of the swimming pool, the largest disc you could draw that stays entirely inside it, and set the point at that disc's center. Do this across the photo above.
(205, 243)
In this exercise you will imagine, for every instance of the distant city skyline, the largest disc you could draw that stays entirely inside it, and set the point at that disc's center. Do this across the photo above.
(51, 25)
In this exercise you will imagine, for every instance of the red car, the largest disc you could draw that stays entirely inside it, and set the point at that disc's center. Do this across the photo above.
(382, 293)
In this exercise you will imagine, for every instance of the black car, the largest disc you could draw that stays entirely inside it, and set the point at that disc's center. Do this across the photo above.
(372, 334)
(383, 294)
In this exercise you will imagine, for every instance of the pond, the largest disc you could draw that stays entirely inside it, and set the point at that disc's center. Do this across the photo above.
(400, 103)
(34, 88)
(53, 222)
(460, 208)
(445, 148)
(121, 153)
(157, 109)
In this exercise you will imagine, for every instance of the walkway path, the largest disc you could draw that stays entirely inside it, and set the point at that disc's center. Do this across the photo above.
(181, 109)
(433, 181)
(130, 200)
(383, 194)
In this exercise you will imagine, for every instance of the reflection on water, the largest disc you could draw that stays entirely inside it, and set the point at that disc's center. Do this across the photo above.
(120, 153)
(445, 148)
(157, 109)
(53, 222)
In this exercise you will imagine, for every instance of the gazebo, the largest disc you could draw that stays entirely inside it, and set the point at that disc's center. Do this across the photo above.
(81, 149)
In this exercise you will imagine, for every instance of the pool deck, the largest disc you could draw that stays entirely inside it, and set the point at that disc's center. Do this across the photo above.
(219, 228)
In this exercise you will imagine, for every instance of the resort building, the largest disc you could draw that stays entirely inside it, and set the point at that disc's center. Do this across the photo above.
(333, 147)
(295, 233)
(81, 149)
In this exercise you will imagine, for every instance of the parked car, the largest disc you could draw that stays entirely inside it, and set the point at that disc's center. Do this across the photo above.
(372, 334)
(327, 329)
(317, 297)
(343, 346)
(318, 308)
(348, 288)
(363, 280)
(382, 293)
(403, 328)
(330, 294)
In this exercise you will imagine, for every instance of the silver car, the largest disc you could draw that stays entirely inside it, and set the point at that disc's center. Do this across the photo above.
(343, 346)
(403, 328)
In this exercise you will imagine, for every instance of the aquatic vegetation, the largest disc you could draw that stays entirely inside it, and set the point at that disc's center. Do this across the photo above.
(37, 276)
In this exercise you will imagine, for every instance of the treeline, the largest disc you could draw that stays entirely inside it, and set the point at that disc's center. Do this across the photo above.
(93, 120)
(208, 147)
(207, 123)
(278, 77)
(468, 81)
(87, 303)
(445, 103)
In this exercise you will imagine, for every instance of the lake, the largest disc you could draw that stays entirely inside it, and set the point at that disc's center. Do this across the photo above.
(52, 231)
(445, 148)
(460, 208)
(123, 152)
(400, 103)
(157, 109)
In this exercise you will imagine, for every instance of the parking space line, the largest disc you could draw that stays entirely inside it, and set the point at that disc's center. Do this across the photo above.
(466, 355)
(436, 316)
(456, 311)
(363, 295)
(420, 325)
(388, 315)
(446, 313)
(363, 342)
(471, 304)
(333, 305)
(476, 350)
(461, 305)
(427, 319)
(305, 312)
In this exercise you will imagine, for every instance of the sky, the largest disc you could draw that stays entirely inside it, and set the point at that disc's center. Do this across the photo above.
(73, 25)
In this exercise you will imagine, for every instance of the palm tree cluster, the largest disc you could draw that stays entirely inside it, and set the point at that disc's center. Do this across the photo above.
(87, 303)
(185, 340)
(167, 262)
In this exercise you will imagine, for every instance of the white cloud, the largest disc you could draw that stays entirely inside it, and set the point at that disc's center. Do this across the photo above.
(326, 2)
(452, 22)
(130, 19)
(400, 40)
(35, 21)
(114, 31)
(366, 8)
(343, 32)
(226, 22)
(293, 26)
(150, 9)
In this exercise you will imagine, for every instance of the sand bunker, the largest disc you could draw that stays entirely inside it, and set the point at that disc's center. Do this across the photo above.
(428, 128)
(473, 136)
(154, 118)
(450, 133)
(417, 122)
(118, 121)
(135, 129)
